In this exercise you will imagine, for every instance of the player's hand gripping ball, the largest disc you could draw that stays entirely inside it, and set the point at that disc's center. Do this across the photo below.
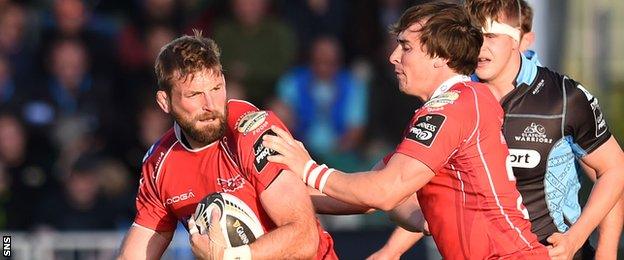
(239, 223)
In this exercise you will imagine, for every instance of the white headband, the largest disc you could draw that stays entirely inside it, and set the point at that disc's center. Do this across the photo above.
(501, 28)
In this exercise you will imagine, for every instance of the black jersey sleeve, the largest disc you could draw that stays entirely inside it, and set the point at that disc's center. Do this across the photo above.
(585, 121)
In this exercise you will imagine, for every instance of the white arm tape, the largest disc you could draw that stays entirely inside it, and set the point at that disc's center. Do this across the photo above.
(306, 170)
(324, 179)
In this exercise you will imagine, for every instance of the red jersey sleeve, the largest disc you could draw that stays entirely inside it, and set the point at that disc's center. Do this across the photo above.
(151, 211)
(248, 125)
(439, 128)
(254, 156)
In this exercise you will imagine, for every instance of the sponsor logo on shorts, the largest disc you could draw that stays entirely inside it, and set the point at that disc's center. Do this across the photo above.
(262, 153)
(251, 121)
(524, 158)
(534, 133)
(426, 128)
(231, 184)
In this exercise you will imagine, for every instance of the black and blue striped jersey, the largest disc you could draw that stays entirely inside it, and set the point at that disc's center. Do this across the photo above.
(550, 120)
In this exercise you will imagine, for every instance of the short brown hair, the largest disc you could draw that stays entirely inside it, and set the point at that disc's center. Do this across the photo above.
(185, 56)
(480, 10)
(446, 32)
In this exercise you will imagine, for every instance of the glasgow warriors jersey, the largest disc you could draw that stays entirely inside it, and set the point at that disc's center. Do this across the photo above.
(550, 120)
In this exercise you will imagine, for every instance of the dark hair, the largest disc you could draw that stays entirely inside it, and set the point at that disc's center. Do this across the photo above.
(446, 32)
(185, 56)
(517, 13)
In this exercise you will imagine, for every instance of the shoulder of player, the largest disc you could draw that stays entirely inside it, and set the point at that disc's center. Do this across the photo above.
(556, 81)
(251, 126)
(153, 156)
(459, 96)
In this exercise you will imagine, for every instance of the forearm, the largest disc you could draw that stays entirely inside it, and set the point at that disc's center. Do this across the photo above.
(408, 215)
(606, 192)
(290, 241)
(610, 229)
(399, 242)
(143, 243)
(324, 204)
(367, 189)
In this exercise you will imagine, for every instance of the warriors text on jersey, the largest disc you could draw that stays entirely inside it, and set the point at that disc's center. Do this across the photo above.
(175, 177)
(550, 120)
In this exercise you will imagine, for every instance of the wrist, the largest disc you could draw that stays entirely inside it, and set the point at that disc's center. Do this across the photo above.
(315, 175)
(237, 253)
(576, 239)
(390, 253)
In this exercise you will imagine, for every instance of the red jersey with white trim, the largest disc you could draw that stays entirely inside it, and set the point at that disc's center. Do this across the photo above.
(247, 126)
(175, 178)
(471, 204)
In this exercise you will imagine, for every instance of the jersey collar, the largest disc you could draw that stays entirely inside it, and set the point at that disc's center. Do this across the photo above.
(446, 85)
(528, 68)
(182, 139)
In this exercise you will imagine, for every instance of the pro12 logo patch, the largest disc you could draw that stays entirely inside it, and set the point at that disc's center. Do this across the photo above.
(262, 153)
(426, 128)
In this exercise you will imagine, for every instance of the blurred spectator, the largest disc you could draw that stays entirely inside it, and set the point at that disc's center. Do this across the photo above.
(152, 123)
(368, 25)
(17, 51)
(313, 18)
(10, 97)
(27, 178)
(153, 16)
(72, 19)
(327, 104)
(201, 14)
(136, 87)
(5, 197)
(80, 206)
(256, 48)
(118, 190)
(70, 90)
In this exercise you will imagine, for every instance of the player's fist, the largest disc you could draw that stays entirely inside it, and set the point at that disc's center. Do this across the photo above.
(207, 245)
(562, 246)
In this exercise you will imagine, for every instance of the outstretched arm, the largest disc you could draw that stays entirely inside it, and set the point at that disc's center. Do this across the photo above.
(324, 204)
(383, 189)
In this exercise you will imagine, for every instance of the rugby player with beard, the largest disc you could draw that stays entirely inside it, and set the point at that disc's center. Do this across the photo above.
(215, 146)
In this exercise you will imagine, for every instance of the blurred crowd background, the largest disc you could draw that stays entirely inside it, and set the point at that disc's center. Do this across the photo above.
(77, 110)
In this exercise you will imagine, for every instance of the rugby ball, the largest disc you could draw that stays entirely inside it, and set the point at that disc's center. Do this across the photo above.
(239, 223)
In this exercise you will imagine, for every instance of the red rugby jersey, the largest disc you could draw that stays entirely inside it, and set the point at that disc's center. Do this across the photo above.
(175, 178)
(471, 205)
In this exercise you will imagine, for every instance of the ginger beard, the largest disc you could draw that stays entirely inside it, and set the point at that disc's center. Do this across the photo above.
(205, 134)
